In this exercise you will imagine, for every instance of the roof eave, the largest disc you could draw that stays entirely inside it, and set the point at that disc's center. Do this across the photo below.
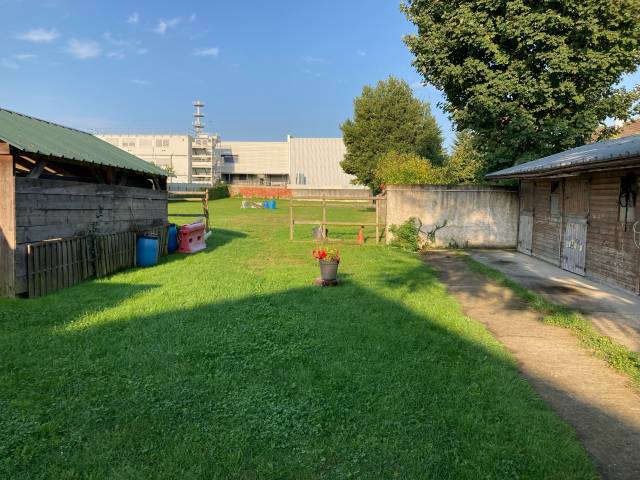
(607, 164)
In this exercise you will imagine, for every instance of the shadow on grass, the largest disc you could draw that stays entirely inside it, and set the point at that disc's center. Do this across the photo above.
(303, 383)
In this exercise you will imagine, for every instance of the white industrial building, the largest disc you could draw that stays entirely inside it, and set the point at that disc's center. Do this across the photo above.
(312, 163)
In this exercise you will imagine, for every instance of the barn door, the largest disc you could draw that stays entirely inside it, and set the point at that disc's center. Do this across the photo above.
(576, 214)
(525, 229)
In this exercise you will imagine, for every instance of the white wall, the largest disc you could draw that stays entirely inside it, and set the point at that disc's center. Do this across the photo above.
(315, 163)
(260, 158)
(161, 150)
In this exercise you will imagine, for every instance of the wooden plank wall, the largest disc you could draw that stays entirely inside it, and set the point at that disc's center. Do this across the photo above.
(546, 228)
(611, 252)
(57, 264)
(48, 209)
(7, 223)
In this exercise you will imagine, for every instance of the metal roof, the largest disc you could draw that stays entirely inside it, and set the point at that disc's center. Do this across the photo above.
(579, 158)
(32, 135)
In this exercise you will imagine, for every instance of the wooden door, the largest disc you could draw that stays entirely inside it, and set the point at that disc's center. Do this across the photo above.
(576, 214)
(525, 228)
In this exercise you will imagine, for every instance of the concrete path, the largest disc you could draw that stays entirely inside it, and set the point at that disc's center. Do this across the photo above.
(598, 402)
(612, 311)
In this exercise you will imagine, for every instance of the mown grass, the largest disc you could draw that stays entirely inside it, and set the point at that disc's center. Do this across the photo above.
(230, 364)
(616, 355)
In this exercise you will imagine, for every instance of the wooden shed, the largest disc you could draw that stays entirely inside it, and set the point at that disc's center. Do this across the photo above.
(578, 210)
(70, 205)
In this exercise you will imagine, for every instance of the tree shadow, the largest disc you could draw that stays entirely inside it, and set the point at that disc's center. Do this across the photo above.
(302, 383)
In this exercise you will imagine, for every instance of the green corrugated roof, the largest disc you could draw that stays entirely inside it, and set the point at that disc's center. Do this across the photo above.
(32, 135)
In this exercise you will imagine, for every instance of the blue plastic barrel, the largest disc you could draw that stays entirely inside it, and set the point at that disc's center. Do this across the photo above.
(147, 250)
(265, 204)
(172, 238)
(272, 204)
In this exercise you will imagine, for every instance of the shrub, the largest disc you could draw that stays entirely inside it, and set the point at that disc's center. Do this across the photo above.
(409, 169)
(218, 191)
(407, 235)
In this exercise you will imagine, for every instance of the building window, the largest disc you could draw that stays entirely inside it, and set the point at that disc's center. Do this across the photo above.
(128, 143)
(554, 200)
(627, 200)
(230, 158)
(145, 143)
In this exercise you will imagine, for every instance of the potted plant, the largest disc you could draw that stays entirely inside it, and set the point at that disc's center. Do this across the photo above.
(329, 259)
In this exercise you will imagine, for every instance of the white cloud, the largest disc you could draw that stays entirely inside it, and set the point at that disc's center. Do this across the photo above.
(116, 55)
(164, 25)
(309, 60)
(4, 63)
(206, 52)
(115, 41)
(24, 56)
(418, 85)
(137, 81)
(362, 53)
(39, 35)
(142, 51)
(133, 18)
(83, 50)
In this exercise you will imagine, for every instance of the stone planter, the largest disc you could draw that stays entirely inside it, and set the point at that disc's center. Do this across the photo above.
(329, 270)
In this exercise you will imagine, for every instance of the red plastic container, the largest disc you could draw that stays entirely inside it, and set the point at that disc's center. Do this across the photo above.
(191, 238)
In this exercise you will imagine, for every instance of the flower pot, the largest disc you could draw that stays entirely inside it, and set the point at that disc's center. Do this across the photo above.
(328, 270)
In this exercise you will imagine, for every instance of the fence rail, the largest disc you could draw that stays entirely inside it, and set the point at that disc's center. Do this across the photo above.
(64, 262)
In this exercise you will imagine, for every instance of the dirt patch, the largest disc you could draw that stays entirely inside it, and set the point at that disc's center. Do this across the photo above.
(600, 404)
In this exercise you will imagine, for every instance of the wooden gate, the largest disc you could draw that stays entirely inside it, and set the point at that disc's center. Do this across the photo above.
(525, 228)
(576, 214)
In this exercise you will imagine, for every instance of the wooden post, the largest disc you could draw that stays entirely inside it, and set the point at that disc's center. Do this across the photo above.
(386, 218)
(7, 222)
(377, 202)
(291, 218)
(324, 217)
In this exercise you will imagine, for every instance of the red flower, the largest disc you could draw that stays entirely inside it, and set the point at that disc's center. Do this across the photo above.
(329, 255)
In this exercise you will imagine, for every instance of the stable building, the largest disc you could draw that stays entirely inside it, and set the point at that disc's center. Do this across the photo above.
(578, 210)
(70, 205)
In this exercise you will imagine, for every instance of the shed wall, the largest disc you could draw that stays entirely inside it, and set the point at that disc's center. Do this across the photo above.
(547, 228)
(47, 209)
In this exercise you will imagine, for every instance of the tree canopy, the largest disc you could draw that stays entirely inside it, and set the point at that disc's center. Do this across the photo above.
(529, 77)
(396, 168)
(387, 118)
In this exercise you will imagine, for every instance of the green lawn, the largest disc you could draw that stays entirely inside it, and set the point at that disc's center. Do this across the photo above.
(230, 364)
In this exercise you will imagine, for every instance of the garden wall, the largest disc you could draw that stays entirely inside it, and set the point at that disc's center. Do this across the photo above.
(257, 191)
(475, 216)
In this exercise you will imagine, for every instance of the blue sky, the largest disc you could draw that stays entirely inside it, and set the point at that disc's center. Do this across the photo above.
(264, 69)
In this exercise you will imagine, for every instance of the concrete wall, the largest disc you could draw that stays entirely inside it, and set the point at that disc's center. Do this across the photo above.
(476, 216)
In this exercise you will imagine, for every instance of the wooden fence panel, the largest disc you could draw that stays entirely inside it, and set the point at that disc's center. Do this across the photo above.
(56, 264)
(62, 263)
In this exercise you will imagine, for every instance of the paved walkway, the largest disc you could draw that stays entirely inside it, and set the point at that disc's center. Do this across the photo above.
(598, 402)
(612, 311)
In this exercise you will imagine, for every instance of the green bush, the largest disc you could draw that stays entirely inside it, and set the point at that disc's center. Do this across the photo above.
(218, 191)
(407, 235)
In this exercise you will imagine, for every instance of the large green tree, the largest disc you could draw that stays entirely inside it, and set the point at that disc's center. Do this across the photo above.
(530, 77)
(387, 118)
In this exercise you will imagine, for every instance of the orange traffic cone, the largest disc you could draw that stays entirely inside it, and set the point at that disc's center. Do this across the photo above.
(361, 236)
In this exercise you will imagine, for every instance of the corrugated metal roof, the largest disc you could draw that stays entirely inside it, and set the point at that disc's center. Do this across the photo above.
(594, 153)
(32, 135)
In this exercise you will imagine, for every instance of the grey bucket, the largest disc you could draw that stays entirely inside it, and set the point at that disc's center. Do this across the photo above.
(328, 270)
